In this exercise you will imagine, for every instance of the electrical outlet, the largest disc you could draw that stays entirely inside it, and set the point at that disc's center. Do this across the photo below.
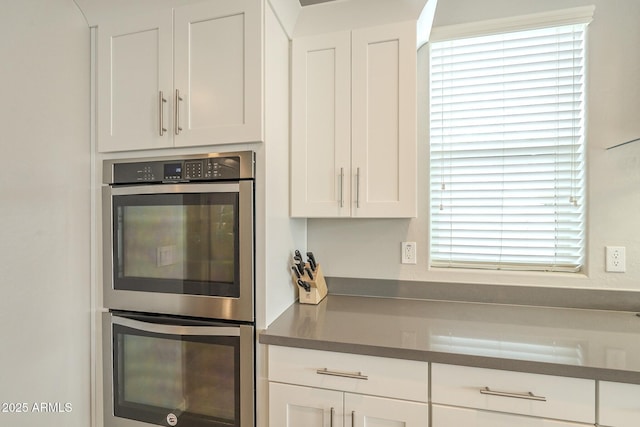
(615, 259)
(408, 252)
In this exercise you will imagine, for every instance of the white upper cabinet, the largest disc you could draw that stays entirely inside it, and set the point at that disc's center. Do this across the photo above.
(354, 123)
(210, 92)
(135, 62)
(383, 129)
(218, 72)
(321, 126)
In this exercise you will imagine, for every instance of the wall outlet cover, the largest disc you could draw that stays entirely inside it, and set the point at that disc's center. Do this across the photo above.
(615, 261)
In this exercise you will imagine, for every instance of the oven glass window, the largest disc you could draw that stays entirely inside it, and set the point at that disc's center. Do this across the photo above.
(194, 378)
(177, 243)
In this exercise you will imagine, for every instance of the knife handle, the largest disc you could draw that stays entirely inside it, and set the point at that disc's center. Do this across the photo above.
(295, 271)
(312, 261)
(309, 273)
(300, 267)
(305, 285)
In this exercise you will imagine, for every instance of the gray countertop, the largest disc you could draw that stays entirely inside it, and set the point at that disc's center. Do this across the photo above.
(603, 345)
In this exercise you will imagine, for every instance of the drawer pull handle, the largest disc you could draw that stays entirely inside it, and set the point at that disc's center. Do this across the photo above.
(341, 187)
(358, 188)
(528, 395)
(331, 417)
(353, 375)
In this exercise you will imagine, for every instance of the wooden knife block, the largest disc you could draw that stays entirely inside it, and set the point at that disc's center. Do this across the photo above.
(318, 287)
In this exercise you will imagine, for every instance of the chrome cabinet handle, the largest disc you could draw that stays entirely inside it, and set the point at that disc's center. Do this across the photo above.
(341, 187)
(161, 102)
(528, 395)
(331, 417)
(358, 188)
(177, 118)
(352, 375)
(353, 418)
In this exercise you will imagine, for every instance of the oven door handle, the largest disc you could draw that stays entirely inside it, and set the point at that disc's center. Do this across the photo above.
(223, 331)
(176, 187)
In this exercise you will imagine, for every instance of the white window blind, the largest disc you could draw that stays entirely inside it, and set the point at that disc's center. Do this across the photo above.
(507, 150)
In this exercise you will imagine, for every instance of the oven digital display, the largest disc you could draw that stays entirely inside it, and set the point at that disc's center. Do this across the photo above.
(172, 170)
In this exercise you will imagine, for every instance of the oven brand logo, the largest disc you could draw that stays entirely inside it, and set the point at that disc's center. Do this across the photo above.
(172, 420)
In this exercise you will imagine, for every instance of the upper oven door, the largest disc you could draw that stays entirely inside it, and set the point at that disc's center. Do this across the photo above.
(184, 249)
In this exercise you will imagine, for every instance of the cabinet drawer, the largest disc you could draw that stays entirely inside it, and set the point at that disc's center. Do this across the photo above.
(514, 392)
(619, 404)
(444, 416)
(377, 376)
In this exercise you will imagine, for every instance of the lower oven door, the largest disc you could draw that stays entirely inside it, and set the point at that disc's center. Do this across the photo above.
(168, 371)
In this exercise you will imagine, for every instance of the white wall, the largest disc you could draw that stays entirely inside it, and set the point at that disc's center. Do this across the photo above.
(371, 248)
(44, 212)
(347, 15)
(281, 234)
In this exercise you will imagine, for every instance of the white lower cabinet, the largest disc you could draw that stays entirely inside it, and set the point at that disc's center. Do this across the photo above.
(370, 411)
(293, 406)
(619, 404)
(299, 406)
(489, 397)
(447, 416)
(311, 388)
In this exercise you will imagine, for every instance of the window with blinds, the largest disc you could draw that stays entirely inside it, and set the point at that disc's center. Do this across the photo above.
(507, 153)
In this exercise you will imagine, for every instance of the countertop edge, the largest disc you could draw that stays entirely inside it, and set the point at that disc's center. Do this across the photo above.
(513, 365)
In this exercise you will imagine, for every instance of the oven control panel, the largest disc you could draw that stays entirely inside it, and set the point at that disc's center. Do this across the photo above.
(185, 170)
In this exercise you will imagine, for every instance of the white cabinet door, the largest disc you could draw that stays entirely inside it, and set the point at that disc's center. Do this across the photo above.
(619, 404)
(299, 406)
(295, 406)
(447, 416)
(368, 411)
(134, 64)
(354, 123)
(321, 126)
(218, 72)
(384, 122)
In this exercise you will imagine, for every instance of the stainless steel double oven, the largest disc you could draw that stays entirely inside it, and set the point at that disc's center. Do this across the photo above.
(178, 337)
